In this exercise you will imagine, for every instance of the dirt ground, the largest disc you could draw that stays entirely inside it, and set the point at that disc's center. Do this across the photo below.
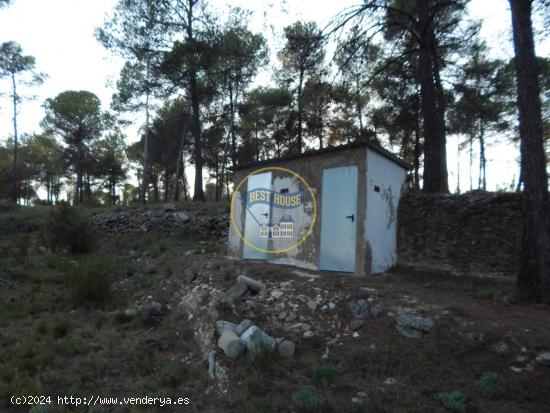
(52, 344)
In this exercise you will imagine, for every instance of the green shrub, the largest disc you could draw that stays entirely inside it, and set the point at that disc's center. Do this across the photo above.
(306, 401)
(491, 385)
(67, 228)
(454, 401)
(61, 326)
(92, 280)
(172, 373)
(324, 373)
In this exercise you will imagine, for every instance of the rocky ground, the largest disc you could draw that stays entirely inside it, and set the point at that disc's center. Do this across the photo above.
(185, 320)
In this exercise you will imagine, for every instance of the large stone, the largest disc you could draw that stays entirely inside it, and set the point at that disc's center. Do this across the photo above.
(543, 359)
(231, 344)
(253, 285)
(236, 291)
(276, 294)
(359, 308)
(243, 326)
(286, 349)
(376, 311)
(511, 349)
(169, 208)
(413, 326)
(181, 217)
(254, 339)
(222, 326)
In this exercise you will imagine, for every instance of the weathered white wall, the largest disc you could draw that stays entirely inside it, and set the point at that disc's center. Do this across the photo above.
(233, 241)
(381, 217)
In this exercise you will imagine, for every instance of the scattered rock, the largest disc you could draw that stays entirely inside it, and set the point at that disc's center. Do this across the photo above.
(254, 338)
(290, 317)
(376, 311)
(156, 312)
(127, 315)
(222, 326)
(169, 208)
(511, 349)
(182, 217)
(286, 349)
(312, 305)
(390, 381)
(252, 284)
(212, 365)
(543, 359)
(359, 308)
(236, 291)
(356, 324)
(413, 326)
(276, 294)
(243, 326)
(231, 344)
(309, 334)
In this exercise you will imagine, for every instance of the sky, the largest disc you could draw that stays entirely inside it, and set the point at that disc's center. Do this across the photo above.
(59, 34)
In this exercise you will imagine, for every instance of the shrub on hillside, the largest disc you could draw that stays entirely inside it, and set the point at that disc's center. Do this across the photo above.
(67, 228)
(454, 401)
(92, 280)
(306, 401)
(491, 385)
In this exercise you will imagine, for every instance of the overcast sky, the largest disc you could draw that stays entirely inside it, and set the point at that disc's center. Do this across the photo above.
(59, 34)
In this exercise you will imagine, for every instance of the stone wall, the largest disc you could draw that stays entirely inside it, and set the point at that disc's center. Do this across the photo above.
(475, 233)
(165, 220)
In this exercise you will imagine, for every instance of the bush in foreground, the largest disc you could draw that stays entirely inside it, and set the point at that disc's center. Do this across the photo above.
(306, 401)
(454, 401)
(491, 385)
(92, 279)
(68, 229)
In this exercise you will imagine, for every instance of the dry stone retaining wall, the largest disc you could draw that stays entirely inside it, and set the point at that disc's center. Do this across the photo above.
(477, 233)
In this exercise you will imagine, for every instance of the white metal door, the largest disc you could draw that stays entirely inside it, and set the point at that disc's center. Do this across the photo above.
(339, 219)
(257, 215)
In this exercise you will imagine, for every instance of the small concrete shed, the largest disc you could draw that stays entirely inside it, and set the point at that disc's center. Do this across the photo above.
(333, 209)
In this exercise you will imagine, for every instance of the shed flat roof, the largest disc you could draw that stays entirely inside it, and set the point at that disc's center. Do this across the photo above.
(356, 145)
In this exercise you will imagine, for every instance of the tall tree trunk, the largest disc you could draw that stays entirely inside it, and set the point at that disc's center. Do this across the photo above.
(300, 110)
(14, 192)
(458, 164)
(482, 183)
(533, 274)
(176, 193)
(232, 127)
(435, 162)
(196, 126)
(471, 143)
(417, 151)
(359, 106)
(144, 182)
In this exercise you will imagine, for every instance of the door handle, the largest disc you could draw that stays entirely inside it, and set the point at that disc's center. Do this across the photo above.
(352, 217)
(265, 215)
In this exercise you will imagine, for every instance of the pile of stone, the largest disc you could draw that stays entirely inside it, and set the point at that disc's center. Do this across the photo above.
(213, 226)
(412, 326)
(235, 339)
(477, 233)
(165, 220)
